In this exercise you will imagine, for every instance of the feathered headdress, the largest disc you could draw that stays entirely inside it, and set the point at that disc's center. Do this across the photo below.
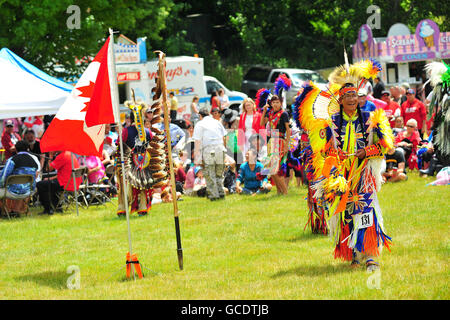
(438, 72)
(262, 96)
(282, 82)
(355, 74)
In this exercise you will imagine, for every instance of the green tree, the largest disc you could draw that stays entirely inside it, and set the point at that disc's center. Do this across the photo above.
(38, 32)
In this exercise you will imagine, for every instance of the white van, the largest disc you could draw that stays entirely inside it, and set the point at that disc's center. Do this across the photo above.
(185, 77)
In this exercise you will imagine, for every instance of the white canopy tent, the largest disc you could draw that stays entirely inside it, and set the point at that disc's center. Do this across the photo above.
(27, 91)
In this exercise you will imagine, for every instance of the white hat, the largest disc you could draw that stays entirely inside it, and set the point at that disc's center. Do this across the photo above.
(362, 92)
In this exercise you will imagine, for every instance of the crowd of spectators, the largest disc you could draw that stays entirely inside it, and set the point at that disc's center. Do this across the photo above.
(52, 172)
(219, 151)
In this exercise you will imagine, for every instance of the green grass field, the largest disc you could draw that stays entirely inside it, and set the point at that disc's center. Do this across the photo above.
(240, 248)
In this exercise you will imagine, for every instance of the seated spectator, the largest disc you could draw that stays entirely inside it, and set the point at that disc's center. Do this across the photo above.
(395, 166)
(106, 159)
(258, 144)
(20, 164)
(399, 126)
(408, 141)
(430, 160)
(96, 170)
(9, 139)
(35, 148)
(109, 147)
(425, 153)
(229, 181)
(199, 183)
(180, 176)
(189, 182)
(250, 176)
(49, 190)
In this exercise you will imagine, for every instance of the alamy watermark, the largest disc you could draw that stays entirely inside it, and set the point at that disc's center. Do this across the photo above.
(374, 20)
(374, 280)
(74, 280)
(74, 20)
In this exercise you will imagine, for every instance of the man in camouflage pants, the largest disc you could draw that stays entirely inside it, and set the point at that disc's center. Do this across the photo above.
(209, 136)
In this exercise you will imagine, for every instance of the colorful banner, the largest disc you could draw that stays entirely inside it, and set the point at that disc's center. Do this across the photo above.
(130, 53)
(426, 43)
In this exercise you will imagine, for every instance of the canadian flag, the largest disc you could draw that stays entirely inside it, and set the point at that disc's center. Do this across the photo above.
(79, 124)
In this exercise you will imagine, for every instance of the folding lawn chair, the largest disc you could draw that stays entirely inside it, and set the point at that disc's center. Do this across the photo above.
(16, 179)
(67, 198)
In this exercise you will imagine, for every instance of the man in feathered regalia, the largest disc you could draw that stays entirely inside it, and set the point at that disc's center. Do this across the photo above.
(439, 73)
(347, 149)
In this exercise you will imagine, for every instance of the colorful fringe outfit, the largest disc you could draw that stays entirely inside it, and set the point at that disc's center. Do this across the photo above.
(143, 161)
(342, 186)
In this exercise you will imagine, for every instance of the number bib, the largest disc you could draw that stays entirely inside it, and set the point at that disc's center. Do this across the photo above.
(364, 220)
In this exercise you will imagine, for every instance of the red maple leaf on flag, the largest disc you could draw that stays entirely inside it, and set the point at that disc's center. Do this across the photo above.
(86, 92)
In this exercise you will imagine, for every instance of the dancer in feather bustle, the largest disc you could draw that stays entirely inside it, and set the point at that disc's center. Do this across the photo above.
(347, 148)
(144, 161)
(439, 74)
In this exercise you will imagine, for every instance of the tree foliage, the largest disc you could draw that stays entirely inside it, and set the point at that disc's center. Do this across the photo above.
(294, 33)
(307, 33)
(38, 31)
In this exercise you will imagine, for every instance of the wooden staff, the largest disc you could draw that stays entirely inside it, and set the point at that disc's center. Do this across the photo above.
(162, 78)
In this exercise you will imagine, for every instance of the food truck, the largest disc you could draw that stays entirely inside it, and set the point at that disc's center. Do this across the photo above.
(184, 74)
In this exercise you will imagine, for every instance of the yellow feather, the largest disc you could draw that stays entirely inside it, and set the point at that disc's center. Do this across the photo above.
(378, 119)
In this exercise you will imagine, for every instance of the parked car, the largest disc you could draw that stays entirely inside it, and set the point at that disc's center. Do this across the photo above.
(259, 77)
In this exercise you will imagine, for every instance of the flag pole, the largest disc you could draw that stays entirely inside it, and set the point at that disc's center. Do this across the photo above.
(162, 75)
(74, 183)
(115, 103)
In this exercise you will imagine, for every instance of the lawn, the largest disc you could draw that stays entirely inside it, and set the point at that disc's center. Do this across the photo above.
(240, 248)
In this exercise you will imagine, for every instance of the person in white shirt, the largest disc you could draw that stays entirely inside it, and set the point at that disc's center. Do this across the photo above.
(224, 100)
(209, 152)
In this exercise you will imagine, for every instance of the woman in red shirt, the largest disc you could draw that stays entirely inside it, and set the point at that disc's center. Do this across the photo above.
(215, 102)
(249, 124)
(408, 141)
